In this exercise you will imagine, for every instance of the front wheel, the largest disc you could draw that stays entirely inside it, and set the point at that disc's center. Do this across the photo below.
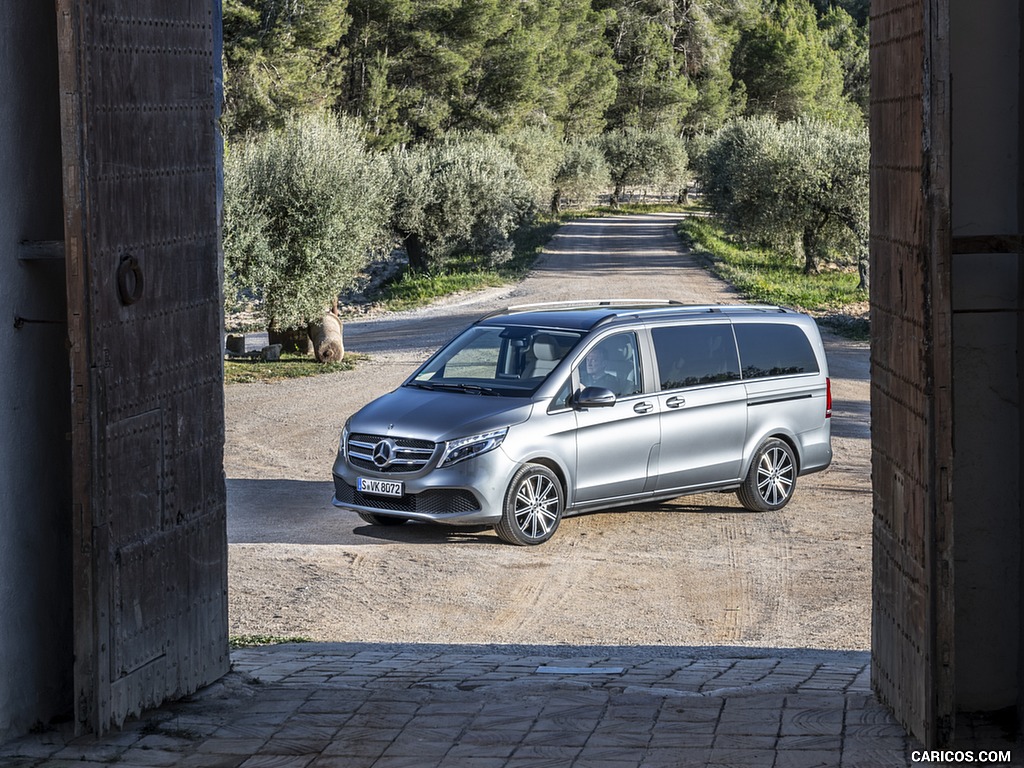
(771, 480)
(533, 506)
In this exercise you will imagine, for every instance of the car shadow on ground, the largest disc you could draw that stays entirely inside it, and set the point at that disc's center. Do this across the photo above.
(279, 511)
(415, 532)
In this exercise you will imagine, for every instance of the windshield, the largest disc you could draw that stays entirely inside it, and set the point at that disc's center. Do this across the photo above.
(496, 360)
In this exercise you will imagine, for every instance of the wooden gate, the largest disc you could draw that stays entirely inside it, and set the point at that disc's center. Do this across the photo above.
(911, 369)
(140, 87)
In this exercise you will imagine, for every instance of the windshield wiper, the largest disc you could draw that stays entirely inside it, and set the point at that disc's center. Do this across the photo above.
(475, 389)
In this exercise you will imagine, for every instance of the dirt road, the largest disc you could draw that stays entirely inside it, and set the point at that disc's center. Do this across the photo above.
(694, 572)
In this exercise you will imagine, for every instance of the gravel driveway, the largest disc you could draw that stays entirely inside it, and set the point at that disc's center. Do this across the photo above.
(698, 571)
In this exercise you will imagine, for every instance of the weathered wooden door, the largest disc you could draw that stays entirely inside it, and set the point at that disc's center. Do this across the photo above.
(140, 86)
(911, 368)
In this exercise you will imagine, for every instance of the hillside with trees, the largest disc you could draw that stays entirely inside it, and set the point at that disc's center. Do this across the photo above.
(457, 120)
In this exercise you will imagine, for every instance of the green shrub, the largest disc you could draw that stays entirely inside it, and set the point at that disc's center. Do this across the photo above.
(800, 187)
(581, 176)
(304, 208)
(651, 160)
(459, 200)
(538, 153)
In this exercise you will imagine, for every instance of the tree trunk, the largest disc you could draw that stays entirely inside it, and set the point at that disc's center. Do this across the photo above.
(863, 234)
(294, 340)
(416, 252)
(556, 202)
(863, 264)
(328, 345)
(811, 245)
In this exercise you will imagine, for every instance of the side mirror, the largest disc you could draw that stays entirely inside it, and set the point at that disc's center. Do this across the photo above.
(594, 397)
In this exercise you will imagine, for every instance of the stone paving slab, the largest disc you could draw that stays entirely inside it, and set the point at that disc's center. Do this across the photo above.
(359, 706)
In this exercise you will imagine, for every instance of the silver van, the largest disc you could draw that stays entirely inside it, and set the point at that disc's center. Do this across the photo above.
(541, 411)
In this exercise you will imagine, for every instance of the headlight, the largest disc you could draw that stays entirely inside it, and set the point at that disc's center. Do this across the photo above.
(468, 447)
(343, 445)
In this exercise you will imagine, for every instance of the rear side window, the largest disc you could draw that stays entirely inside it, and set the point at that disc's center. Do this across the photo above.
(774, 350)
(691, 355)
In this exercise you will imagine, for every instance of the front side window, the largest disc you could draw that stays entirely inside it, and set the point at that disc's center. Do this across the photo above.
(563, 399)
(613, 364)
(694, 355)
(774, 349)
(503, 360)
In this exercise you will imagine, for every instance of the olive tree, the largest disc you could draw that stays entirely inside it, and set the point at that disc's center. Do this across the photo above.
(461, 197)
(538, 153)
(741, 171)
(801, 185)
(831, 200)
(582, 174)
(304, 208)
(649, 159)
(558, 169)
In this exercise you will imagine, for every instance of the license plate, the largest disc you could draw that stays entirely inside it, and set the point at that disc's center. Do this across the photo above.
(379, 487)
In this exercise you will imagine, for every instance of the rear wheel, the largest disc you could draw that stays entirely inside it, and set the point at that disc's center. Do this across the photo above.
(771, 480)
(375, 519)
(533, 506)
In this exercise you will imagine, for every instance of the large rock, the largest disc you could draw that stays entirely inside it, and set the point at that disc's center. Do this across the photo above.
(294, 340)
(328, 345)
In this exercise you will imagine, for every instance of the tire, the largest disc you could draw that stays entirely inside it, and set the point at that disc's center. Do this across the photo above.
(771, 479)
(533, 506)
(375, 519)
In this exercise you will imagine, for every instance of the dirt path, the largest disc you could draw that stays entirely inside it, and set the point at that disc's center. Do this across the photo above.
(697, 571)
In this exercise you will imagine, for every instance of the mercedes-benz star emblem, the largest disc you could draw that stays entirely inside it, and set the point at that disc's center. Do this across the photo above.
(384, 452)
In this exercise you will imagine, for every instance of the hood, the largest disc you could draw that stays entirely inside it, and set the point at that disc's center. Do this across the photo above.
(438, 416)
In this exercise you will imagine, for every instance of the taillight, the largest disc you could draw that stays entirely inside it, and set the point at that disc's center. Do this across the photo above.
(828, 398)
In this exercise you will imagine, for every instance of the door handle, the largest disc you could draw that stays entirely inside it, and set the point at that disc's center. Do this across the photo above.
(643, 407)
(675, 402)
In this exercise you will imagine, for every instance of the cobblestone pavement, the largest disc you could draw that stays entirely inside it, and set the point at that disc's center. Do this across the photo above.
(363, 706)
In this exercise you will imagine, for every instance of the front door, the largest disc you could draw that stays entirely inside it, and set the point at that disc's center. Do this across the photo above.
(615, 445)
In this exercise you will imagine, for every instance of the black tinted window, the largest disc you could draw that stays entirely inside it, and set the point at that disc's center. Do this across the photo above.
(691, 355)
(774, 350)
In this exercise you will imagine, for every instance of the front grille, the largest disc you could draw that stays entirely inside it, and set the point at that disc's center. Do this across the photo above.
(409, 454)
(435, 501)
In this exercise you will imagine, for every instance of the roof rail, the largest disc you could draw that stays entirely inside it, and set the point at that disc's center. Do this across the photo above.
(633, 304)
(595, 303)
(584, 304)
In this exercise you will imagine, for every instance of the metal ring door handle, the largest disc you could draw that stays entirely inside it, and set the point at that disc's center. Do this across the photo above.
(129, 280)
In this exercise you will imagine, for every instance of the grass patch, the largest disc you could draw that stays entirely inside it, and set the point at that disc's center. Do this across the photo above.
(409, 290)
(291, 366)
(254, 641)
(764, 276)
(623, 209)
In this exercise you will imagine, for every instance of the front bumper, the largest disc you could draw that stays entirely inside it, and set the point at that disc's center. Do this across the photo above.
(468, 493)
